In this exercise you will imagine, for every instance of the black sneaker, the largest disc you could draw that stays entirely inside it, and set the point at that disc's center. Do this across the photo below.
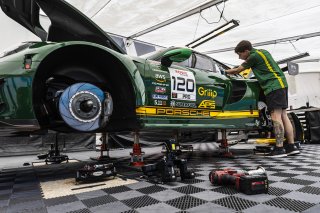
(278, 152)
(291, 149)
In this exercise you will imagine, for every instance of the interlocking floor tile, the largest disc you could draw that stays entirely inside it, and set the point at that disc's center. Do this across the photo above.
(151, 189)
(189, 189)
(185, 202)
(290, 204)
(60, 200)
(235, 203)
(139, 202)
(226, 190)
(310, 190)
(113, 207)
(157, 208)
(97, 201)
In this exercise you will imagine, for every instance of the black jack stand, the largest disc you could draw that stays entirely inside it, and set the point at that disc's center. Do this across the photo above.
(54, 155)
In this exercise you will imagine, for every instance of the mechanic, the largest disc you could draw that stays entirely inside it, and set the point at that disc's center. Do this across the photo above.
(274, 85)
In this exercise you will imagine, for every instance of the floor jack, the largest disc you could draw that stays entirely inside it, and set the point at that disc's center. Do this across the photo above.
(94, 172)
(168, 168)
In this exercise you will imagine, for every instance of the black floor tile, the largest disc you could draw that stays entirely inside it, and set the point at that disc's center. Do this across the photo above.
(289, 204)
(141, 201)
(97, 201)
(185, 202)
(235, 203)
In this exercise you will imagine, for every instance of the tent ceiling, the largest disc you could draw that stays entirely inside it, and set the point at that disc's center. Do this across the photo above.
(259, 21)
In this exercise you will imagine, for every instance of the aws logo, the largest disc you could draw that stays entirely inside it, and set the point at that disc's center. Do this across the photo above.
(207, 104)
(207, 92)
(160, 78)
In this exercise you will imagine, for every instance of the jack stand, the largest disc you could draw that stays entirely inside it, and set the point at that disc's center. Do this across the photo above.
(54, 155)
(136, 154)
(103, 147)
(224, 146)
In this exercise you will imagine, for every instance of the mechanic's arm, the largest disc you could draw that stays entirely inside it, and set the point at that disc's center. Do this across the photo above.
(236, 70)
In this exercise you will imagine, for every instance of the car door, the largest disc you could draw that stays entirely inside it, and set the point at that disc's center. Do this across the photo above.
(211, 85)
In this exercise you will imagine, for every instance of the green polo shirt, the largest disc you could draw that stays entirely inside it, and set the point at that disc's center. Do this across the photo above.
(266, 70)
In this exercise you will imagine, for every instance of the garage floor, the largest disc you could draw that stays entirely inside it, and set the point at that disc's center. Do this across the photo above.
(294, 185)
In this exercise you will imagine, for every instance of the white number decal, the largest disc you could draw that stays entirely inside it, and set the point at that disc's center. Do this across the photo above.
(183, 85)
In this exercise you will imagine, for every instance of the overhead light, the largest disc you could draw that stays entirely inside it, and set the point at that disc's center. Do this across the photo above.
(292, 58)
(214, 33)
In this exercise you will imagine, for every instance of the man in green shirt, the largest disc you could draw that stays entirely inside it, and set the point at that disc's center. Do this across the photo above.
(274, 85)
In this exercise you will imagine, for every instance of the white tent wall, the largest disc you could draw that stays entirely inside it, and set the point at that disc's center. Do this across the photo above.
(304, 88)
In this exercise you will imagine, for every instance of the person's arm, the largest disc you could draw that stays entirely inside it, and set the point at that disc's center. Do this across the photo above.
(236, 70)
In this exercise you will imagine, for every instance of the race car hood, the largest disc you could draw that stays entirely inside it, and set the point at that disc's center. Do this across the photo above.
(67, 23)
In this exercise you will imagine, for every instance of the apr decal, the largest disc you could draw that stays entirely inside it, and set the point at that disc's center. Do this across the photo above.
(183, 85)
(160, 97)
(207, 104)
(207, 92)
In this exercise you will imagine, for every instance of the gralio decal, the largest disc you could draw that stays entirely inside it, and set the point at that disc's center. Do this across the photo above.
(207, 92)
(161, 97)
(160, 89)
(183, 85)
(207, 104)
(174, 103)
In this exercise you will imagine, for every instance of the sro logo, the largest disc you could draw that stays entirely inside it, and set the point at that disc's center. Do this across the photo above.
(207, 104)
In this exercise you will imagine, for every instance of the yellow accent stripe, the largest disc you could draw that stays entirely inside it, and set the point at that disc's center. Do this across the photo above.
(152, 111)
(270, 68)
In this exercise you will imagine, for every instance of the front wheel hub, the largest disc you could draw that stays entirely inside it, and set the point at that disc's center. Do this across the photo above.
(83, 107)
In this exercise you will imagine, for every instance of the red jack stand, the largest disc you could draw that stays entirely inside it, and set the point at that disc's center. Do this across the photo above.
(224, 146)
(103, 147)
(136, 154)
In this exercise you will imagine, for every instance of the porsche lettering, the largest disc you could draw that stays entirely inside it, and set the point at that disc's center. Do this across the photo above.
(184, 112)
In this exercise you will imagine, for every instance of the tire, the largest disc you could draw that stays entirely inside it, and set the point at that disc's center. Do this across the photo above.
(85, 107)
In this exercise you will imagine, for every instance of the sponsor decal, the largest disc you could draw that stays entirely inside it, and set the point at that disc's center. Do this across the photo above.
(207, 92)
(161, 78)
(160, 84)
(160, 103)
(183, 112)
(160, 89)
(174, 103)
(183, 85)
(207, 104)
(161, 97)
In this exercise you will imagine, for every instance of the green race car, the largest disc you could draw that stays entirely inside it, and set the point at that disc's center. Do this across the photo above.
(78, 79)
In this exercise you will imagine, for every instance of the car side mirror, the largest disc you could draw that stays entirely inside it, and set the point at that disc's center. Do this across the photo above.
(176, 55)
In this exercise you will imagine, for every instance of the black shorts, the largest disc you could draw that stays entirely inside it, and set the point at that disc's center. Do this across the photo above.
(277, 99)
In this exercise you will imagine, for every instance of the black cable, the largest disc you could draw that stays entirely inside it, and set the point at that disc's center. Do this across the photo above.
(221, 14)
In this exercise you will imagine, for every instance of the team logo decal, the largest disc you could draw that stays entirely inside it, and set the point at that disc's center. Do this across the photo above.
(207, 92)
(174, 103)
(183, 85)
(160, 89)
(160, 97)
(207, 104)
(161, 78)
(160, 103)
